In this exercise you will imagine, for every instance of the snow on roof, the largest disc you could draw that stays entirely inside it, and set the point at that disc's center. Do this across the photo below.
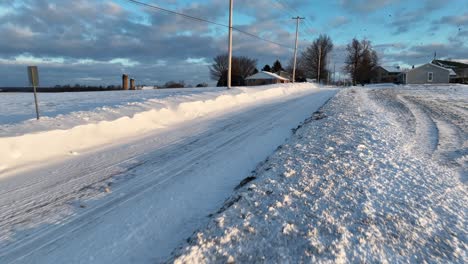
(432, 64)
(391, 68)
(462, 61)
(266, 75)
(451, 63)
(450, 70)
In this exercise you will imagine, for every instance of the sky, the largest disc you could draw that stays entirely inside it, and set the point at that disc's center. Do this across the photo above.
(93, 42)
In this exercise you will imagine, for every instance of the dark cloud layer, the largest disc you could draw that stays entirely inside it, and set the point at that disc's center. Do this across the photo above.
(102, 31)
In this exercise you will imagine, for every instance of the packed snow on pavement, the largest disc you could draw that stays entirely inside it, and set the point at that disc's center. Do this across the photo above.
(135, 199)
(377, 175)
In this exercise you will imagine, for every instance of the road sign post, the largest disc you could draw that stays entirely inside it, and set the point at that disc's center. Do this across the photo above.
(33, 75)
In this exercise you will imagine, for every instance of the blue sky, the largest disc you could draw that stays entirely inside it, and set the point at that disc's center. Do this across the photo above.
(95, 41)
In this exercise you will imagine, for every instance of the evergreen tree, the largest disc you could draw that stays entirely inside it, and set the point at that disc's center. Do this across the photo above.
(277, 67)
(266, 68)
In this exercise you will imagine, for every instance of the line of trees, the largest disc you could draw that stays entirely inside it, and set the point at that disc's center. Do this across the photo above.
(361, 62)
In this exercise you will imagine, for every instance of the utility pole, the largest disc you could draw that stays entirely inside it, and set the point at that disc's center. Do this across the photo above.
(334, 76)
(295, 48)
(229, 75)
(319, 61)
(33, 74)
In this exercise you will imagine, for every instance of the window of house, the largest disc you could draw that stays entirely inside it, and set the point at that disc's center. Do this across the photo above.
(430, 76)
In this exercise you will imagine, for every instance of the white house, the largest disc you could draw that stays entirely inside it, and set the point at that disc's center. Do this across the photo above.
(426, 74)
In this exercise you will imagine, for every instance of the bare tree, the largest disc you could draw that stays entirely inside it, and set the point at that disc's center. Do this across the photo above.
(300, 69)
(242, 67)
(219, 66)
(316, 56)
(361, 61)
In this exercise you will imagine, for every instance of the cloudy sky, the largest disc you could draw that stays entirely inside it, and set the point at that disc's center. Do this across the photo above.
(95, 41)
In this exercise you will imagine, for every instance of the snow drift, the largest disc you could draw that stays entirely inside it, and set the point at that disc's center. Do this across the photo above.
(352, 186)
(17, 151)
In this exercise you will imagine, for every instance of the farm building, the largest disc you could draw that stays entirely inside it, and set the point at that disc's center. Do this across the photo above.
(263, 78)
(426, 74)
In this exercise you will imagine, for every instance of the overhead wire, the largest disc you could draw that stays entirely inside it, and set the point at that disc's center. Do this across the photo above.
(207, 21)
(294, 12)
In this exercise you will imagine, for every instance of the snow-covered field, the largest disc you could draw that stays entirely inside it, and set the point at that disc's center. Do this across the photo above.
(136, 198)
(77, 122)
(378, 175)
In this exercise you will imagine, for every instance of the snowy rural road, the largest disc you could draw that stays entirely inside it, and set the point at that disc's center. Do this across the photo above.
(135, 202)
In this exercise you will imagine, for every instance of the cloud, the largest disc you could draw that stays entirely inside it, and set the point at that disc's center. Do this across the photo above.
(461, 20)
(365, 6)
(116, 38)
(339, 21)
(406, 21)
(420, 54)
(432, 5)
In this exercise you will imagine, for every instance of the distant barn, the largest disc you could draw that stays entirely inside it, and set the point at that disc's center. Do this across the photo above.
(263, 78)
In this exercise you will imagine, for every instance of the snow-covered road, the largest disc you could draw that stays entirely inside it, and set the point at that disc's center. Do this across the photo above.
(135, 202)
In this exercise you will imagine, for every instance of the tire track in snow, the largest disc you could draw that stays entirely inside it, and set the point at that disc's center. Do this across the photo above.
(426, 137)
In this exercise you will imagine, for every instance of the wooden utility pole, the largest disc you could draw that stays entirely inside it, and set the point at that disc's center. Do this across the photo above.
(334, 76)
(295, 48)
(229, 75)
(319, 61)
(33, 74)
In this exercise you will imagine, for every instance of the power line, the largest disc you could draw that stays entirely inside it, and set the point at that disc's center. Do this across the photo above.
(287, 8)
(207, 21)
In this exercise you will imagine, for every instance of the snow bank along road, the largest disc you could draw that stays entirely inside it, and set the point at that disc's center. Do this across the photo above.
(134, 202)
(379, 175)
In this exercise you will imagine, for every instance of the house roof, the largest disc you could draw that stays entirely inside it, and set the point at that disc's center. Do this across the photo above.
(450, 64)
(432, 64)
(265, 75)
(392, 69)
